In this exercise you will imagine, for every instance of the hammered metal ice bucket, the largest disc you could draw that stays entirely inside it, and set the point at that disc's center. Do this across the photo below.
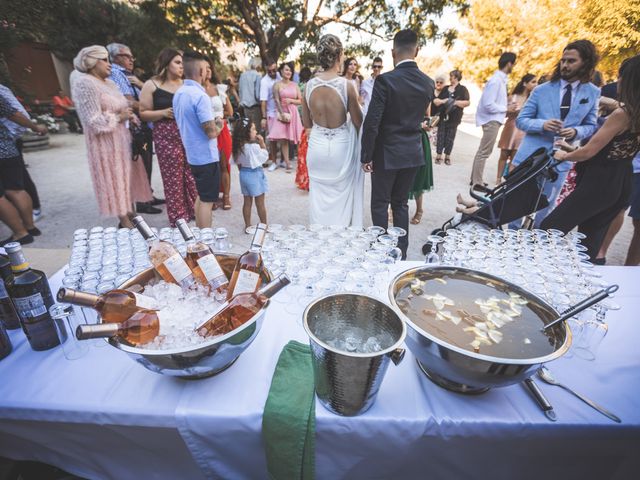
(347, 382)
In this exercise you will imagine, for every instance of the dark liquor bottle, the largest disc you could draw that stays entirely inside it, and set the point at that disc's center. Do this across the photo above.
(202, 261)
(113, 306)
(5, 342)
(31, 296)
(165, 258)
(8, 315)
(240, 309)
(142, 327)
(246, 274)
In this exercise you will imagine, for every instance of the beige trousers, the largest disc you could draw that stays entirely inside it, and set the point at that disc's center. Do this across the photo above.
(489, 135)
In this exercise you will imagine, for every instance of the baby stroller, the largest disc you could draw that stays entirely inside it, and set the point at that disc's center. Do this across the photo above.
(518, 196)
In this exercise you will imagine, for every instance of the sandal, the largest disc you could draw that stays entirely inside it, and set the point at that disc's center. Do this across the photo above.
(416, 218)
(226, 203)
(447, 161)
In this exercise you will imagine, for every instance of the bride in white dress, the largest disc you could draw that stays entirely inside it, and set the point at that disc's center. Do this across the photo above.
(330, 108)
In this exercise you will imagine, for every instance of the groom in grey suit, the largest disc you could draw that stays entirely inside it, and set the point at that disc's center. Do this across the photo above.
(391, 142)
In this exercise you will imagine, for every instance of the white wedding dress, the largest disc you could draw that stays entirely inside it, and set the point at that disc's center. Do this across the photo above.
(336, 179)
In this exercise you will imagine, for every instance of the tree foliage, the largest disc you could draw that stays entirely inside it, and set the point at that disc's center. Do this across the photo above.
(69, 25)
(274, 26)
(538, 30)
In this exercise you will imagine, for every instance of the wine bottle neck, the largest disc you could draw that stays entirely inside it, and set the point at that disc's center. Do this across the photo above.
(145, 230)
(85, 332)
(270, 289)
(76, 297)
(185, 231)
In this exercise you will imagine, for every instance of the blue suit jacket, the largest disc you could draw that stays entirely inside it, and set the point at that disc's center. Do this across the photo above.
(544, 104)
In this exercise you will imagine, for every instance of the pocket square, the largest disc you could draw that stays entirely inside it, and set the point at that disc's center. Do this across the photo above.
(583, 101)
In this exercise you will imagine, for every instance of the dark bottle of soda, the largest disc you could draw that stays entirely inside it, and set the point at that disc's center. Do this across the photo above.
(31, 296)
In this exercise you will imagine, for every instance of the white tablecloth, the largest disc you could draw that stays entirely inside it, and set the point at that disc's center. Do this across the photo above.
(104, 416)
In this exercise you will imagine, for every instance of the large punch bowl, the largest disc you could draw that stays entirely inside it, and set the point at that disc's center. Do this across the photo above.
(202, 360)
(463, 370)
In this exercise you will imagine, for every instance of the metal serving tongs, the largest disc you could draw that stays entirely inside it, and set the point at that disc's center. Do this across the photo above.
(583, 305)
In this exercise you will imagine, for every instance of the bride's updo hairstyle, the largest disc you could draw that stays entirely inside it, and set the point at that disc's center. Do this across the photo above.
(329, 50)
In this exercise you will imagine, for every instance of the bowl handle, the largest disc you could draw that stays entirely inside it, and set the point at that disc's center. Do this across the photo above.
(397, 355)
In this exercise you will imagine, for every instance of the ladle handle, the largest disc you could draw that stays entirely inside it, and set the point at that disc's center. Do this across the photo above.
(583, 305)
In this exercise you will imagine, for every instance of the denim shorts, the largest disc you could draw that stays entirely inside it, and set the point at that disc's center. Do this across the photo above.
(253, 181)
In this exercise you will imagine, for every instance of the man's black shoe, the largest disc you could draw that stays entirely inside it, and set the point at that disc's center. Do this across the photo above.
(147, 208)
(158, 201)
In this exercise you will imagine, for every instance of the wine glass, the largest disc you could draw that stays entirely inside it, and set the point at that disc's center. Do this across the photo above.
(432, 257)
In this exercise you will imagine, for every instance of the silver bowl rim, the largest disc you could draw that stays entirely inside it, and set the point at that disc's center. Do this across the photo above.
(324, 345)
(193, 348)
(488, 358)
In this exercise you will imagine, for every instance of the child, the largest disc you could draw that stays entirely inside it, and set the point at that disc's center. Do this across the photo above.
(250, 152)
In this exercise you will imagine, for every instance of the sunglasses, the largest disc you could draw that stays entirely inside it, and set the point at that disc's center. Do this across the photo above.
(377, 67)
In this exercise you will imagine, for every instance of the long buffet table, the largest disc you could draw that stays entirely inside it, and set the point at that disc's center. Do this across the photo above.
(104, 416)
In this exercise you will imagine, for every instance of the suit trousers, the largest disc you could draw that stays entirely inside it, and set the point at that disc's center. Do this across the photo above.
(391, 187)
(489, 135)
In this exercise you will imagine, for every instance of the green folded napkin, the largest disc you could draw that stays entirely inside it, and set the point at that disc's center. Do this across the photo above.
(289, 419)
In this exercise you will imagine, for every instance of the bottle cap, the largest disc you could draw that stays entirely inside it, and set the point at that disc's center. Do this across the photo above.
(13, 247)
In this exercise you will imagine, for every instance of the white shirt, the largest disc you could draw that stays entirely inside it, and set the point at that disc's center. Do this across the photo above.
(365, 92)
(404, 61)
(266, 94)
(493, 102)
(252, 156)
(574, 88)
(218, 102)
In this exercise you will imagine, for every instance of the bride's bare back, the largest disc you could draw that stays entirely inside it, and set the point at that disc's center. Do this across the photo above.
(326, 103)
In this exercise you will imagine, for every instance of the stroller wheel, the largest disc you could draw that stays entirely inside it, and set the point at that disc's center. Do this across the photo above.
(440, 232)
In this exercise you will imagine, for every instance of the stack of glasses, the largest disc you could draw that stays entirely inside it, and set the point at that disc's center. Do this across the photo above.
(321, 260)
(104, 258)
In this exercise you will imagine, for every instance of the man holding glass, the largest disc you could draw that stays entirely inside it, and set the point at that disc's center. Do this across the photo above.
(567, 107)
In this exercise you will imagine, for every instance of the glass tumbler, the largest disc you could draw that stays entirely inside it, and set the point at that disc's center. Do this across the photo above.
(66, 321)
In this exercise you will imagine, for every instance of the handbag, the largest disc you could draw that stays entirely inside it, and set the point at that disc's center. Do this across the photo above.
(284, 117)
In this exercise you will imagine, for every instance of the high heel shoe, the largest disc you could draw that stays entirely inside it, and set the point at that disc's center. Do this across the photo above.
(416, 218)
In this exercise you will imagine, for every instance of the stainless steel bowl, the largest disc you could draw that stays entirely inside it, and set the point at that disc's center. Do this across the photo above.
(463, 371)
(198, 361)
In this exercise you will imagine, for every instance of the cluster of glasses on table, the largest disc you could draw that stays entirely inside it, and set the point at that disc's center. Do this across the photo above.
(548, 263)
(321, 259)
(104, 258)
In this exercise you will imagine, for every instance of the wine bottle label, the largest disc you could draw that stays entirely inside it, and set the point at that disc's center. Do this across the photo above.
(145, 302)
(247, 282)
(177, 267)
(3, 290)
(30, 307)
(211, 270)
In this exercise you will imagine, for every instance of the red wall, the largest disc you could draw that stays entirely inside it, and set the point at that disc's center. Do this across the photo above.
(32, 70)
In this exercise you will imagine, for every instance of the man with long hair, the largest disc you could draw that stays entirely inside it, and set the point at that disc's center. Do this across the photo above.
(566, 106)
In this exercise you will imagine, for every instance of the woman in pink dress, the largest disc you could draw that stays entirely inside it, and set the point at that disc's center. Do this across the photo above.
(286, 126)
(512, 136)
(118, 181)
